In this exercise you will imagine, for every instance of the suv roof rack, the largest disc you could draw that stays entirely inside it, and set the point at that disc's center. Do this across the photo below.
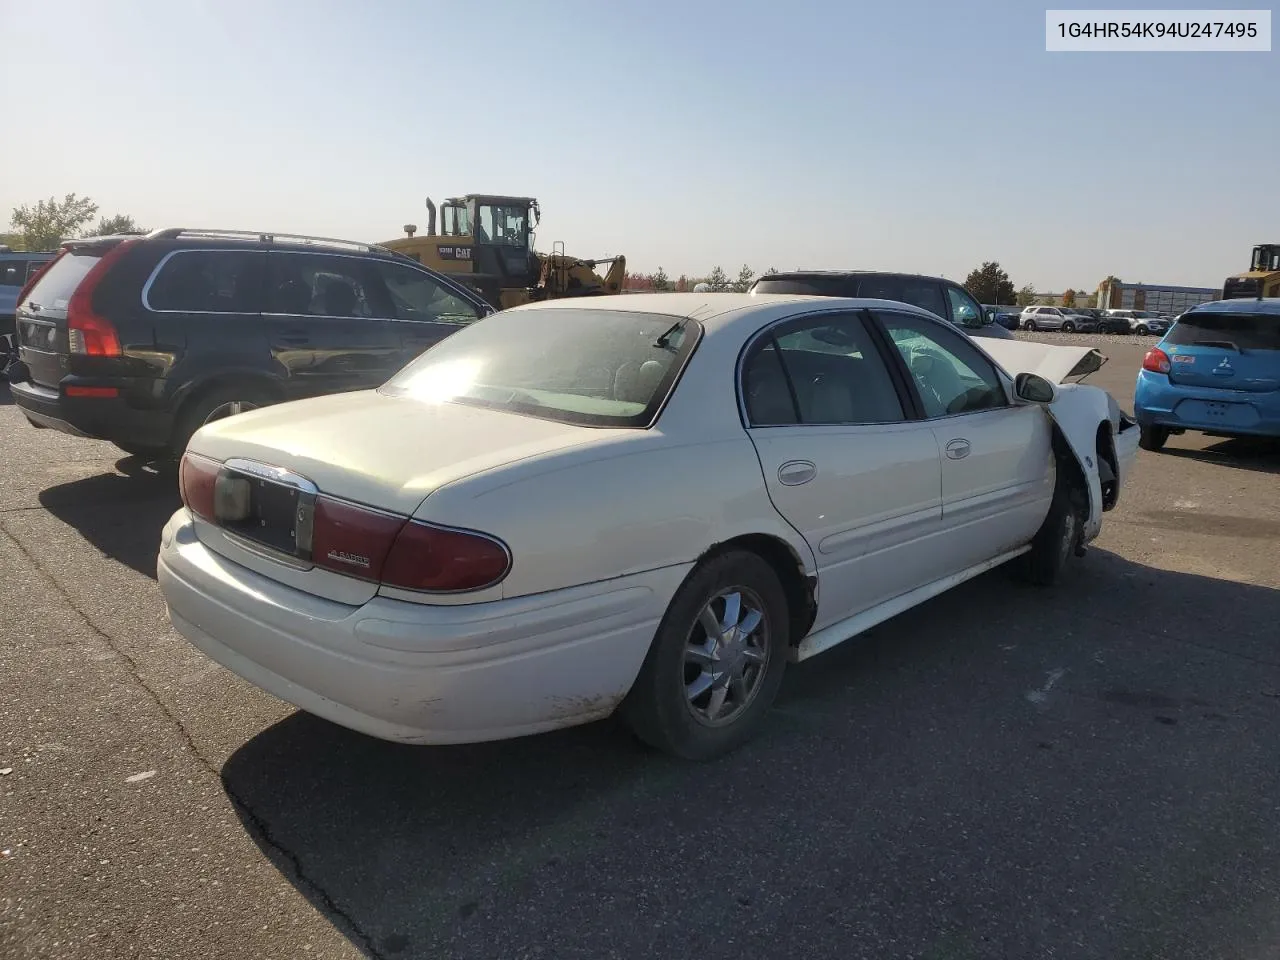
(263, 236)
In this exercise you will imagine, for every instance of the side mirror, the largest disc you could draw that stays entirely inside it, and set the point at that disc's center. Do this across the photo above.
(1033, 388)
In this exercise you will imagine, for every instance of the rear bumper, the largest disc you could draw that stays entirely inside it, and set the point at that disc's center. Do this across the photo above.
(1159, 403)
(411, 672)
(100, 418)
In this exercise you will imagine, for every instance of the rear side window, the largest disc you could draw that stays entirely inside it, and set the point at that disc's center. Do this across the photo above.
(1240, 331)
(13, 273)
(60, 281)
(206, 281)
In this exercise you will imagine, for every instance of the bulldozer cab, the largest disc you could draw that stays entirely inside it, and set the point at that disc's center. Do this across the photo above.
(501, 229)
(1266, 258)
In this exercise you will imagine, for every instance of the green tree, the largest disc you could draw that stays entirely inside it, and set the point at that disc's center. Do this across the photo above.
(120, 223)
(990, 284)
(770, 272)
(660, 280)
(1026, 296)
(746, 276)
(51, 221)
(718, 280)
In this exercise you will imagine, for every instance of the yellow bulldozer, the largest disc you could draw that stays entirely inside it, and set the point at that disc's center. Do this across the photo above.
(1262, 278)
(486, 241)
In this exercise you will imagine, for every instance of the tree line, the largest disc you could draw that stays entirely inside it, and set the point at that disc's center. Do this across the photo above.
(45, 224)
(717, 280)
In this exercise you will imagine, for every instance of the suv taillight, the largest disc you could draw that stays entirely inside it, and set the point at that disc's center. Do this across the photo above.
(1157, 361)
(88, 332)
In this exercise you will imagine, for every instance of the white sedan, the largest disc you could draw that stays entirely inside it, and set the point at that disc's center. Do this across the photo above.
(646, 504)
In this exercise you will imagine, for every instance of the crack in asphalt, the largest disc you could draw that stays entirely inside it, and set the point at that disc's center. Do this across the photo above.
(260, 825)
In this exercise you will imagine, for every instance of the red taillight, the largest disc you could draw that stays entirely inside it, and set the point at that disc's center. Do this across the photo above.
(440, 560)
(1157, 361)
(197, 477)
(403, 553)
(32, 280)
(89, 332)
(350, 539)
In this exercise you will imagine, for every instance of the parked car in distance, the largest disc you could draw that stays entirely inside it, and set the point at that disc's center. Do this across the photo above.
(1140, 322)
(1066, 319)
(140, 340)
(1217, 371)
(1006, 317)
(519, 531)
(16, 271)
(943, 298)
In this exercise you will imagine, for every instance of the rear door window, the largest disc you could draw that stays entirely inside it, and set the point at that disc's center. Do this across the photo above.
(1238, 331)
(206, 281)
(924, 293)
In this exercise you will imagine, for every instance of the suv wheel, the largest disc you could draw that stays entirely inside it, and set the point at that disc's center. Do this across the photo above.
(1142, 330)
(1068, 327)
(216, 403)
(1030, 326)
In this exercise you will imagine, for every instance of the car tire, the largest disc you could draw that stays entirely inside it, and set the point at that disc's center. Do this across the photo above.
(1152, 438)
(1031, 326)
(1068, 327)
(662, 708)
(220, 400)
(1142, 330)
(1059, 536)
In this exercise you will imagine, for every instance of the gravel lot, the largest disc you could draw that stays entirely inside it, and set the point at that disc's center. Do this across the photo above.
(1089, 771)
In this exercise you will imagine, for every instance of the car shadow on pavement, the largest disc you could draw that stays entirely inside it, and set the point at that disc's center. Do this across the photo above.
(911, 787)
(121, 514)
(6, 398)
(1245, 453)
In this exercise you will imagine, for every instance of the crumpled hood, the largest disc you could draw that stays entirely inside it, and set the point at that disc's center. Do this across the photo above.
(1053, 362)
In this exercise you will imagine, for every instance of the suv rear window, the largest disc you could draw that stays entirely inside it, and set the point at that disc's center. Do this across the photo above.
(603, 368)
(61, 279)
(1243, 331)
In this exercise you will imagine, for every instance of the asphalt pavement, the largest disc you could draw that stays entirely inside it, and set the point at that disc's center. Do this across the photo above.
(1085, 771)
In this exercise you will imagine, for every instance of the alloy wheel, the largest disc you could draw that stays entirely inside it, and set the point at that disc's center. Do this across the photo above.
(726, 656)
(230, 409)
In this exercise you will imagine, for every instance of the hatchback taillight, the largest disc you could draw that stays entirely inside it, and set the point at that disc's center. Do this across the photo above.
(197, 478)
(88, 332)
(1157, 361)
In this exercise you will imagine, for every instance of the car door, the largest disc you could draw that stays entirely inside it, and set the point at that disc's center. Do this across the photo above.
(423, 310)
(326, 323)
(997, 464)
(842, 461)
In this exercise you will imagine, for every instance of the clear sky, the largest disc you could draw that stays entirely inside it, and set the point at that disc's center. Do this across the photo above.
(893, 135)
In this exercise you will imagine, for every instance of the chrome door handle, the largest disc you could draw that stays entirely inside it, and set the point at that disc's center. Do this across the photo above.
(795, 472)
(958, 449)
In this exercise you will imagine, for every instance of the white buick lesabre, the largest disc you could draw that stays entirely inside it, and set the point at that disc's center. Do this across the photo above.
(644, 504)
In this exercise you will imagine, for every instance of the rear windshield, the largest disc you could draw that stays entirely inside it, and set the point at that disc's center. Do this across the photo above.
(1239, 331)
(605, 368)
(59, 282)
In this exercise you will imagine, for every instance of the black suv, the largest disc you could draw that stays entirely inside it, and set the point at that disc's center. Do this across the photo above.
(948, 300)
(140, 340)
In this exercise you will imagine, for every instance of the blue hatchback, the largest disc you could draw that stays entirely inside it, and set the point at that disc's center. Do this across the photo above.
(1217, 371)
